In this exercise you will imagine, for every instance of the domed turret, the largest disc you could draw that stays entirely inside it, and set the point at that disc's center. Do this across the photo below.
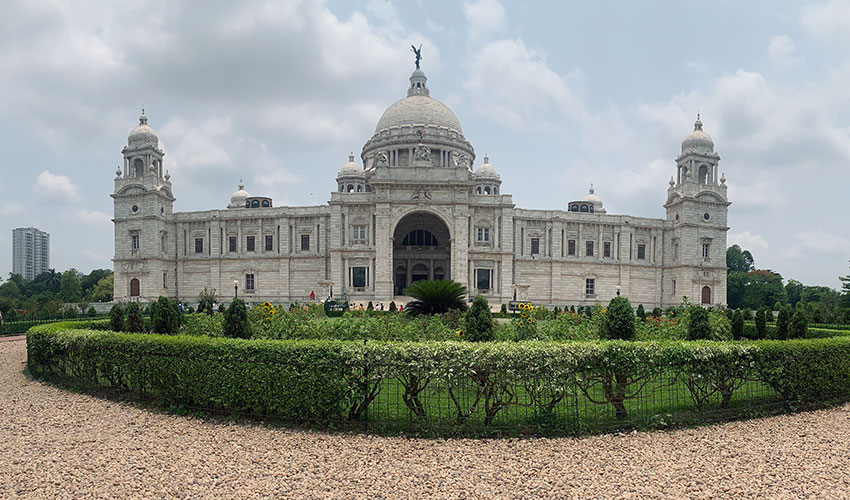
(590, 204)
(698, 140)
(351, 178)
(142, 135)
(237, 200)
(486, 171)
(351, 168)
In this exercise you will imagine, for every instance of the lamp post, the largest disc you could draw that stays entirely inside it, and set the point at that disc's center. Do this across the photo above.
(236, 289)
(618, 290)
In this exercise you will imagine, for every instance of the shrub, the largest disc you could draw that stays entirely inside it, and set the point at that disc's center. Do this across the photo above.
(698, 323)
(221, 308)
(165, 317)
(236, 323)
(91, 313)
(799, 324)
(371, 306)
(116, 318)
(748, 314)
(783, 321)
(70, 313)
(435, 297)
(588, 311)
(135, 324)
(503, 310)
(641, 314)
(206, 299)
(761, 322)
(478, 322)
(656, 312)
(737, 325)
(619, 320)
(777, 306)
(393, 307)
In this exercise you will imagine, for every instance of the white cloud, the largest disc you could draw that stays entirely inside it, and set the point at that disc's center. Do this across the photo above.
(56, 187)
(93, 218)
(484, 19)
(755, 243)
(11, 208)
(782, 51)
(819, 241)
(827, 19)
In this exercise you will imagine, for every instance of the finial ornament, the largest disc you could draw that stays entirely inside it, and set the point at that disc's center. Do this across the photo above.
(591, 188)
(418, 53)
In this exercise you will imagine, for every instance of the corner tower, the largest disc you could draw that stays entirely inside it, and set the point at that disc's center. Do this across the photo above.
(697, 207)
(145, 244)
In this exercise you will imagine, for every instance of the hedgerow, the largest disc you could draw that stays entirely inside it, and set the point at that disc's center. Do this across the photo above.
(441, 382)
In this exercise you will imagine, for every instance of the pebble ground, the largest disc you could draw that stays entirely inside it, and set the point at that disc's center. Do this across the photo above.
(57, 444)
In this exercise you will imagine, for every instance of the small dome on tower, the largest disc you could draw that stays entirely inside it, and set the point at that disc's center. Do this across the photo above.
(351, 168)
(591, 196)
(237, 200)
(487, 170)
(143, 134)
(698, 140)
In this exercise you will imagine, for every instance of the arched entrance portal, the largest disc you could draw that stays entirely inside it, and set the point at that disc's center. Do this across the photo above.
(421, 250)
(706, 295)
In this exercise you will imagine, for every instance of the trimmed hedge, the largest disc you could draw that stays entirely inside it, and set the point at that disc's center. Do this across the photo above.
(447, 384)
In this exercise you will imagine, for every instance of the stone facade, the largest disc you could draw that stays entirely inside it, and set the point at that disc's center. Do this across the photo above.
(418, 210)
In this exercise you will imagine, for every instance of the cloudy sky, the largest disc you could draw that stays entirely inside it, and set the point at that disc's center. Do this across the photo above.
(560, 94)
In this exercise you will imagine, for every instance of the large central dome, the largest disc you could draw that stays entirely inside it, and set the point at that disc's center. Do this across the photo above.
(418, 119)
(418, 110)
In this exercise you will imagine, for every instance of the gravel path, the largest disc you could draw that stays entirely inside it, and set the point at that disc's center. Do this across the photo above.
(55, 444)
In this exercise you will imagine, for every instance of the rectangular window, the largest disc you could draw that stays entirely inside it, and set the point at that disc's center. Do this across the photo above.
(706, 250)
(641, 252)
(358, 277)
(134, 242)
(675, 251)
(231, 242)
(269, 243)
(483, 279)
(249, 283)
(535, 246)
(199, 245)
(590, 288)
(162, 245)
(305, 242)
(588, 248)
(674, 287)
(483, 234)
(249, 244)
(571, 247)
(164, 280)
(606, 249)
(358, 233)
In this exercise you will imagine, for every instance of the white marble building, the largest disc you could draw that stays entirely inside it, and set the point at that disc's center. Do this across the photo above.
(418, 208)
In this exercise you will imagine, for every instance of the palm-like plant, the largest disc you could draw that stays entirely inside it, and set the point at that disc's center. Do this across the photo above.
(435, 297)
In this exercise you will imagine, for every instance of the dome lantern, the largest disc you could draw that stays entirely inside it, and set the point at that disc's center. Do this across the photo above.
(237, 200)
(142, 135)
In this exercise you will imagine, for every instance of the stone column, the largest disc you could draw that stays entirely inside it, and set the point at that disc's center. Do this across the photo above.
(383, 252)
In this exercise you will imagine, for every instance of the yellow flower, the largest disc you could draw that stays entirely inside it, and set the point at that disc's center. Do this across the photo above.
(529, 321)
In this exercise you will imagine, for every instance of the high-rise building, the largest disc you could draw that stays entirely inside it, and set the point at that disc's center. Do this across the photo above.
(30, 252)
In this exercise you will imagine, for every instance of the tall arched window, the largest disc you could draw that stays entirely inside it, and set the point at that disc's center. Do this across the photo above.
(706, 295)
(703, 174)
(134, 287)
(138, 168)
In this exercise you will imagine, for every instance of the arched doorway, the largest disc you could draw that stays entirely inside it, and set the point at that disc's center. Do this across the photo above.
(706, 295)
(421, 250)
(134, 287)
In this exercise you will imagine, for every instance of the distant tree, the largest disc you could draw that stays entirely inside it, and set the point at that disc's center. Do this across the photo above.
(793, 290)
(70, 289)
(799, 324)
(763, 287)
(504, 310)
(761, 322)
(91, 313)
(206, 299)
(236, 323)
(845, 290)
(370, 306)
(89, 281)
(783, 321)
(737, 321)
(165, 317)
(102, 290)
(739, 260)
(656, 311)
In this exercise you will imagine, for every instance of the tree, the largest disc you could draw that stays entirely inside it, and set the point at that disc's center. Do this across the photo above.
(70, 289)
(206, 299)
(736, 282)
(236, 325)
(135, 324)
(435, 297)
(698, 325)
(90, 280)
(799, 324)
(619, 321)
(739, 260)
(793, 290)
(102, 290)
(763, 287)
(479, 321)
(641, 314)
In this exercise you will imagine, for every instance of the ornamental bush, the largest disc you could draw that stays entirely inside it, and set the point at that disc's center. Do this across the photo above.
(698, 323)
(116, 318)
(393, 307)
(478, 322)
(619, 320)
(737, 325)
(236, 325)
(641, 314)
(134, 324)
(761, 322)
(799, 324)
(435, 297)
(165, 317)
(783, 321)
